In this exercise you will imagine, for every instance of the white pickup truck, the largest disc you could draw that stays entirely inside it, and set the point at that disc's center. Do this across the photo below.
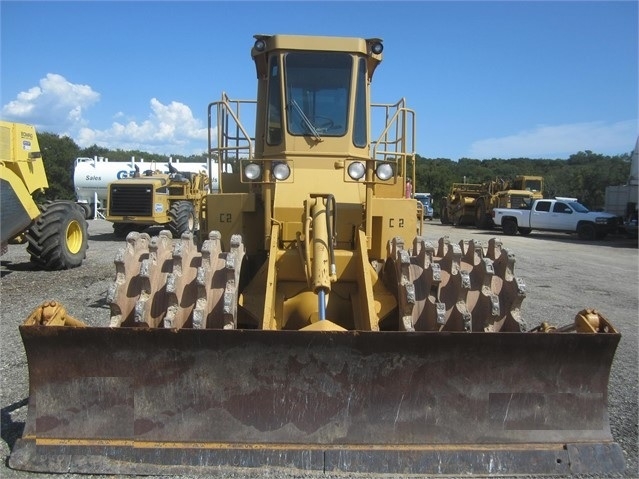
(559, 214)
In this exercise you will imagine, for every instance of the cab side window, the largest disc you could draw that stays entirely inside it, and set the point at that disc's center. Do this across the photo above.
(561, 208)
(274, 116)
(543, 206)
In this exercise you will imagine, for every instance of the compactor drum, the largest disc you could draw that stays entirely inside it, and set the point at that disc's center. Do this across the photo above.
(310, 324)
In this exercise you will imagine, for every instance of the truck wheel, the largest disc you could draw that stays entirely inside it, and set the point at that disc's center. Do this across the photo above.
(59, 238)
(509, 227)
(182, 218)
(586, 231)
(481, 220)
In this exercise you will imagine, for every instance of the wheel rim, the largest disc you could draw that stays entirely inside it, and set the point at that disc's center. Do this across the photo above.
(74, 237)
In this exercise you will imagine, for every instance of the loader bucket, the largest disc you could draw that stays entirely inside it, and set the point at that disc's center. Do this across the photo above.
(152, 401)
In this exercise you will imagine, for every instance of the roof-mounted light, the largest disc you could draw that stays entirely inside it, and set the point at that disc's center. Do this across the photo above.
(260, 45)
(377, 48)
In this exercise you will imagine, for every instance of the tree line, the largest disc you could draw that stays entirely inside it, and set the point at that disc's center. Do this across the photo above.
(584, 175)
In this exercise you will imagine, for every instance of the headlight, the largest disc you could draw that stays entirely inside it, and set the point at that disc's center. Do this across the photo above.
(384, 171)
(260, 45)
(252, 171)
(377, 48)
(281, 171)
(356, 170)
(601, 220)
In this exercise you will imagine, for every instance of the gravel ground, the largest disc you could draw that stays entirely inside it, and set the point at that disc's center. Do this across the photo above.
(562, 274)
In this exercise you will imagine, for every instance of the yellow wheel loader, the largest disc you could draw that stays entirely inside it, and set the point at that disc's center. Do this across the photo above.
(311, 326)
(56, 231)
(153, 198)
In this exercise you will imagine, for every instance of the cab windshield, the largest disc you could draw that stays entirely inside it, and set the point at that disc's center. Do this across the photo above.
(532, 185)
(317, 93)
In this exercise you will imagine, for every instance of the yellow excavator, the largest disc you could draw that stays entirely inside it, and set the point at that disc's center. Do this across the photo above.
(311, 326)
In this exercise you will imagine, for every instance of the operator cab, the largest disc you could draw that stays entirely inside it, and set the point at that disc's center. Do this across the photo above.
(316, 99)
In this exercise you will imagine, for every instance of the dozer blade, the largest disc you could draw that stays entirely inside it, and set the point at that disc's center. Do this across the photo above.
(147, 401)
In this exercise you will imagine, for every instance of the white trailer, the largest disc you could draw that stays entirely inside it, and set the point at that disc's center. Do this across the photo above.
(622, 200)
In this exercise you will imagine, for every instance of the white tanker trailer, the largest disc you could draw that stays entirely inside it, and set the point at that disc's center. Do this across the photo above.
(92, 175)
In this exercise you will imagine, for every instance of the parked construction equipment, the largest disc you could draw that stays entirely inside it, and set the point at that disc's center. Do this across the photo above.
(91, 178)
(314, 327)
(56, 231)
(472, 204)
(153, 198)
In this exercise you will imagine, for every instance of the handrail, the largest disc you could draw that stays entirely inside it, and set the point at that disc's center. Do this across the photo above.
(400, 145)
(225, 109)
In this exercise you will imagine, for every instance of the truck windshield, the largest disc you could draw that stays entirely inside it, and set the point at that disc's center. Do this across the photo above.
(425, 200)
(578, 207)
(317, 93)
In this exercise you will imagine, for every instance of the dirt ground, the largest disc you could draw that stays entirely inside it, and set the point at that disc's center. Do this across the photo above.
(562, 276)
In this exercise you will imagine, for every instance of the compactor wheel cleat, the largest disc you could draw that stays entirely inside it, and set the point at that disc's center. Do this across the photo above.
(167, 283)
(455, 287)
(125, 290)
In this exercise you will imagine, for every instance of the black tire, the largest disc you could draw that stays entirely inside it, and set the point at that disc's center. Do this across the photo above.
(121, 230)
(443, 217)
(524, 231)
(586, 231)
(509, 227)
(59, 238)
(87, 210)
(481, 220)
(182, 218)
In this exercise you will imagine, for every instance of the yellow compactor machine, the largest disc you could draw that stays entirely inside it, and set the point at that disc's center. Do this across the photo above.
(55, 232)
(173, 200)
(312, 326)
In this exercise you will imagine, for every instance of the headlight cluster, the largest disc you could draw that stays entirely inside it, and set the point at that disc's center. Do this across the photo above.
(280, 171)
(252, 171)
(384, 171)
(357, 170)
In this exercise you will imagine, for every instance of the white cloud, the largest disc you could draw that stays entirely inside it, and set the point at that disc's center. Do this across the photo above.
(59, 106)
(168, 129)
(55, 104)
(560, 141)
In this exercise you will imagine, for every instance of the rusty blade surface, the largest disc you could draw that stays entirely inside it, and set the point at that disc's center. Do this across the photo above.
(128, 400)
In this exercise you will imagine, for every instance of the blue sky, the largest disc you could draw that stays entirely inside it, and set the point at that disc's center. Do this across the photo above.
(503, 79)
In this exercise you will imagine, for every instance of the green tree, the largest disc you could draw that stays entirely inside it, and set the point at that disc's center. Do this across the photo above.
(58, 154)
